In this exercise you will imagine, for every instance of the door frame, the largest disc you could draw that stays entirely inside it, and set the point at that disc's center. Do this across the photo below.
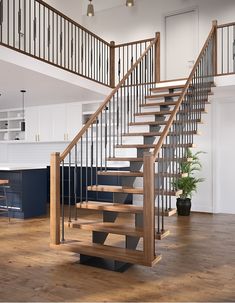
(173, 13)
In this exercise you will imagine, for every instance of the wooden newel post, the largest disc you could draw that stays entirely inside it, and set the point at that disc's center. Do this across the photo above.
(112, 64)
(55, 199)
(149, 208)
(157, 58)
(214, 23)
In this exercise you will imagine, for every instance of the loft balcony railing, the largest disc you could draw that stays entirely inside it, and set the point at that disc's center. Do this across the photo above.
(36, 29)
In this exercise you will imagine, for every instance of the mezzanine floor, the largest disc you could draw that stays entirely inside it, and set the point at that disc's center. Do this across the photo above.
(198, 264)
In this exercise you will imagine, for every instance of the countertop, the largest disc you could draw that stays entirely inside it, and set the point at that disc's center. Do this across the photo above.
(21, 166)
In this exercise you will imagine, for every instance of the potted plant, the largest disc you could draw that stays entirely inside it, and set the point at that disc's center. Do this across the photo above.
(188, 182)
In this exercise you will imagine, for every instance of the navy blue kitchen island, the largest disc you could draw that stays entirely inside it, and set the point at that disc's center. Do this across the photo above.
(27, 192)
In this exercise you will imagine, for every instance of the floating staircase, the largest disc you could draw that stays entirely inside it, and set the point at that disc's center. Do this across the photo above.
(138, 137)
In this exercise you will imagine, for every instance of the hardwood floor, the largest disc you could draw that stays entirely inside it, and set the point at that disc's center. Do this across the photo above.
(198, 264)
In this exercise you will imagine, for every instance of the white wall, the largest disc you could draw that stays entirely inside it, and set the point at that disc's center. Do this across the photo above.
(123, 24)
(71, 8)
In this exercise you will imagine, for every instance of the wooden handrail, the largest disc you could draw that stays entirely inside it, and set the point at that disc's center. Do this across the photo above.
(226, 25)
(99, 110)
(181, 98)
(134, 42)
(71, 21)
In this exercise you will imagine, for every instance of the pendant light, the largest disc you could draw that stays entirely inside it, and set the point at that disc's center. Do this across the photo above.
(90, 9)
(129, 3)
(22, 124)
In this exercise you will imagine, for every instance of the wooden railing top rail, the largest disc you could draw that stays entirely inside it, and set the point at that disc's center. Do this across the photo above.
(99, 110)
(71, 21)
(226, 25)
(134, 42)
(177, 106)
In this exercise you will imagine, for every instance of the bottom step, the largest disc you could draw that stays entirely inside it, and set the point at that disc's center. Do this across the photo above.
(107, 252)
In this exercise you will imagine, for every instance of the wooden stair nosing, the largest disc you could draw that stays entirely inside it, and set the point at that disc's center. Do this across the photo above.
(158, 134)
(125, 159)
(159, 113)
(137, 174)
(167, 95)
(130, 190)
(164, 122)
(107, 206)
(165, 88)
(172, 103)
(120, 173)
(117, 229)
(106, 252)
(149, 146)
(119, 207)
(107, 227)
(169, 112)
(166, 103)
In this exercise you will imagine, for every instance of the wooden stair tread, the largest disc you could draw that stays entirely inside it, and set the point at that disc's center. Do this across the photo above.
(146, 146)
(119, 207)
(116, 189)
(167, 103)
(157, 96)
(107, 206)
(165, 88)
(129, 190)
(117, 229)
(138, 174)
(109, 227)
(168, 112)
(162, 122)
(107, 252)
(158, 134)
(132, 159)
(158, 113)
(122, 173)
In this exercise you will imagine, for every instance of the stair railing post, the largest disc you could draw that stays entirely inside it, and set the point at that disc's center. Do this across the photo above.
(55, 198)
(149, 208)
(215, 24)
(112, 64)
(157, 58)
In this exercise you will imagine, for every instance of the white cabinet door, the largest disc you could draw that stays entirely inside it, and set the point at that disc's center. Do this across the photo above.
(45, 123)
(59, 122)
(74, 119)
(31, 123)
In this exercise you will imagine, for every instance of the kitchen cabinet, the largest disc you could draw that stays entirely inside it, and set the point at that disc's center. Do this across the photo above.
(60, 122)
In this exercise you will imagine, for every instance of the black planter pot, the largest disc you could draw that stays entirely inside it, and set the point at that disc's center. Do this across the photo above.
(183, 206)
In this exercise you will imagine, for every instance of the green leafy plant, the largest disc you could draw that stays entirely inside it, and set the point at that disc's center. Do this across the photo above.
(188, 182)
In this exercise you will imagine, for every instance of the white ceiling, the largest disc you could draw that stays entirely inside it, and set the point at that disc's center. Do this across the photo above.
(41, 89)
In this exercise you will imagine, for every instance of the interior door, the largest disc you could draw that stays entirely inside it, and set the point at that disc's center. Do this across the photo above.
(181, 44)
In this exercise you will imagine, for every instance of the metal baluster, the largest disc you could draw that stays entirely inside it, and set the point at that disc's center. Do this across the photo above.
(222, 50)
(1, 21)
(96, 149)
(75, 178)
(69, 186)
(106, 138)
(158, 195)
(19, 23)
(101, 141)
(228, 50)
(48, 35)
(234, 48)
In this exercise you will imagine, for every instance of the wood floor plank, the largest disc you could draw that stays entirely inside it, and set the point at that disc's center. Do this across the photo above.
(198, 265)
